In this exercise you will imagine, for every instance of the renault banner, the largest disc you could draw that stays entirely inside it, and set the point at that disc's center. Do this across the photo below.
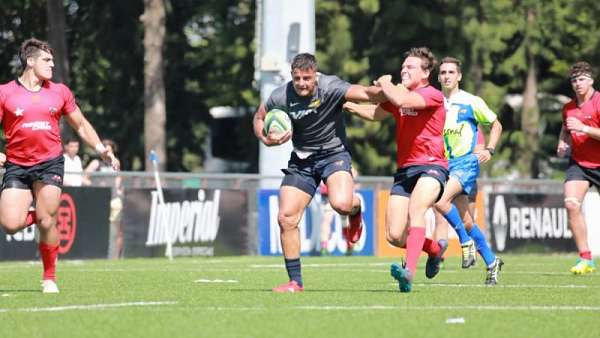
(517, 220)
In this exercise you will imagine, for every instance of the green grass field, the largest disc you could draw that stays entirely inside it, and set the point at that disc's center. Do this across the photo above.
(344, 297)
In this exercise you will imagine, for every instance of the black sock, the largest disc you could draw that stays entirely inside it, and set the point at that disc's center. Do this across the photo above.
(294, 269)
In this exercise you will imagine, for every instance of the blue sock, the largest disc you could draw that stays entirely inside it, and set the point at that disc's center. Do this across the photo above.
(453, 218)
(482, 246)
(294, 270)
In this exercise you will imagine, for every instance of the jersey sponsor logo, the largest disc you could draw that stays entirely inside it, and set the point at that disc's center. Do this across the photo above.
(315, 104)
(37, 125)
(297, 115)
(19, 111)
(408, 112)
(454, 132)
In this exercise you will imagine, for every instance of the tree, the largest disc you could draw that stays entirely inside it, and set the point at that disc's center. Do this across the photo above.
(154, 87)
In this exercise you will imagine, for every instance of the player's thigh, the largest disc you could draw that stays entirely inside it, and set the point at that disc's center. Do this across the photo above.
(292, 202)
(424, 195)
(14, 204)
(340, 186)
(396, 216)
(452, 189)
(576, 189)
(47, 199)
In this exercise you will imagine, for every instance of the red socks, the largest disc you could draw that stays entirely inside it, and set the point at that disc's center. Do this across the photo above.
(49, 255)
(586, 255)
(31, 218)
(431, 247)
(414, 245)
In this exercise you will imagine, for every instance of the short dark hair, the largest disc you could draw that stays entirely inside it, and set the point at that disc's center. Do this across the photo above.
(71, 139)
(426, 56)
(581, 68)
(31, 48)
(304, 61)
(450, 59)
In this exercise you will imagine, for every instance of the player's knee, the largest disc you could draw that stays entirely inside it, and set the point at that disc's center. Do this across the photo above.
(45, 223)
(395, 238)
(442, 206)
(573, 205)
(287, 221)
(10, 229)
(343, 207)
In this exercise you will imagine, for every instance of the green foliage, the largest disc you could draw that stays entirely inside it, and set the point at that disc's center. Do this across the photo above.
(209, 62)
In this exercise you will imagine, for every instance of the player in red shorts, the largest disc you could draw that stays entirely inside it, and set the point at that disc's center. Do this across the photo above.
(30, 110)
(581, 133)
(418, 109)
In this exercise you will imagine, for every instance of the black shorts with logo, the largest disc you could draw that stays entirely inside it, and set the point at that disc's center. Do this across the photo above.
(22, 177)
(406, 178)
(306, 174)
(575, 172)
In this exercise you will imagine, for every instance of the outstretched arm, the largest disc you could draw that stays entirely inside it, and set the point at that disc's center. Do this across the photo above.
(368, 112)
(358, 93)
(88, 134)
(398, 95)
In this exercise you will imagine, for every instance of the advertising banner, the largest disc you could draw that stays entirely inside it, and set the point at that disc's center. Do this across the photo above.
(383, 248)
(82, 223)
(198, 222)
(531, 219)
(269, 241)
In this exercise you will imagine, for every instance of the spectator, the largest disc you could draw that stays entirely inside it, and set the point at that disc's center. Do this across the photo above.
(73, 167)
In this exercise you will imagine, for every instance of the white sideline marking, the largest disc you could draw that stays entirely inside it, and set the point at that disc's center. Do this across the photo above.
(216, 281)
(455, 307)
(87, 307)
(568, 286)
(423, 308)
(319, 265)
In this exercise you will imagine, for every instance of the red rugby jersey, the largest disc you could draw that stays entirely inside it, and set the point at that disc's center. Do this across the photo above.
(31, 121)
(419, 139)
(585, 150)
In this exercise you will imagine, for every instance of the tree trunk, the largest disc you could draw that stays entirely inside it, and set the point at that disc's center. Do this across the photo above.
(530, 114)
(154, 87)
(58, 41)
(55, 11)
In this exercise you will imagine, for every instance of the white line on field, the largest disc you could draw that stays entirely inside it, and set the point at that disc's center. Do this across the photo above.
(454, 307)
(87, 306)
(216, 281)
(572, 308)
(568, 286)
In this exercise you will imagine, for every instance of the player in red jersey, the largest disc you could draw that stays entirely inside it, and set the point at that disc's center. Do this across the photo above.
(581, 133)
(418, 109)
(30, 110)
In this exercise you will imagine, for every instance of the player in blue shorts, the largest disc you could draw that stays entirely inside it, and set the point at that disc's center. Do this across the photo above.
(313, 101)
(464, 112)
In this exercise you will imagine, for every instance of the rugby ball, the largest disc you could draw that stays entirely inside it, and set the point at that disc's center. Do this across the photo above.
(277, 121)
